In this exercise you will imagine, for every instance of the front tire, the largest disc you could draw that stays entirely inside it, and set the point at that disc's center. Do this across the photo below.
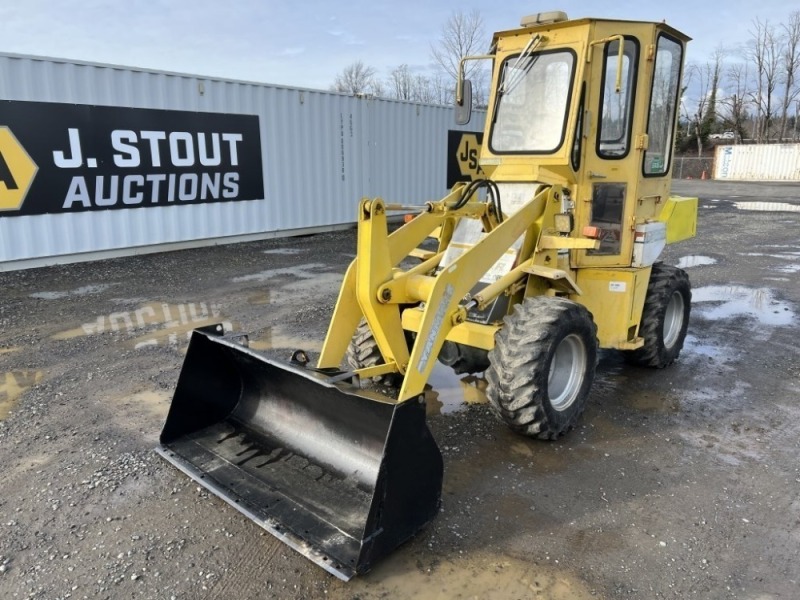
(363, 352)
(665, 318)
(542, 366)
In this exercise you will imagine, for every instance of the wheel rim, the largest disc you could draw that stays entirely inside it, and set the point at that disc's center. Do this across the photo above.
(567, 370)
(673, 319)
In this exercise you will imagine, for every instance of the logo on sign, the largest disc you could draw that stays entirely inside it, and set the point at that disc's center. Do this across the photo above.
(463, 155)
(17, 171)
(468, 154)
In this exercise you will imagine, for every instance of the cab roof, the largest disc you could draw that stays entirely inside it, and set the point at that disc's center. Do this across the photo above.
(588, 21)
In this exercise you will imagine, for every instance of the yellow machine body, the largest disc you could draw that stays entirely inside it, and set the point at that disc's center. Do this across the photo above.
(603, 170)
(521, 274)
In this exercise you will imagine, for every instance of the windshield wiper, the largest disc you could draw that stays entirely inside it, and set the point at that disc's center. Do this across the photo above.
(518, 75)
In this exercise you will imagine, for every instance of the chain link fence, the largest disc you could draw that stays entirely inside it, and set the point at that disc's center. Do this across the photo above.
(692, 167)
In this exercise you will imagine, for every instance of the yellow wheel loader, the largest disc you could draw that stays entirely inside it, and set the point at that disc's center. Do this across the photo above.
(523, 273)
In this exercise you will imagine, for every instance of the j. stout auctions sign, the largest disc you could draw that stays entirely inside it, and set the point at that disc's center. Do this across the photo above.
(57, 158)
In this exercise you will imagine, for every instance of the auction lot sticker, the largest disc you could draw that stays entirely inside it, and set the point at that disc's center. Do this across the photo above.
(57, 158)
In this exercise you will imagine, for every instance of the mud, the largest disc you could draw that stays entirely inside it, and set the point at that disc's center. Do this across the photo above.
(479, 576)
(676, 483)
(12, 385)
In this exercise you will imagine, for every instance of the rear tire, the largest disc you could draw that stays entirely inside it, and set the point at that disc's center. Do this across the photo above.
(542, 366)
(665, 318)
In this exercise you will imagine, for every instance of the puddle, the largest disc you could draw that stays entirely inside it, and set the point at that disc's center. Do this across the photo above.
(725, 302)
(790, 246)
(306, 271)
(286, 251)
(692, 345)
(12, 386)
(787, 255)
(653, 402)
(687, 262)
(480, 577)
(450, 393)
(767, 206)
(787, 269)
(175, 334)
(155, 323)
(783, 256)
(81, 291)
(731, 444)
(275, 340)
(614, 378)
(319, 284)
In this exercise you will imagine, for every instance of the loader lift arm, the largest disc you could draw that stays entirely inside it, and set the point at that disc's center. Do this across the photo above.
(375, 289)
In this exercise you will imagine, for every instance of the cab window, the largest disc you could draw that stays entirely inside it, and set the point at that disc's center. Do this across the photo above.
(616, 106)
(663, 106)
(532, 103)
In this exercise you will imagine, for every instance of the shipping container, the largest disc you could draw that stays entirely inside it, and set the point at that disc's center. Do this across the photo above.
(761, 162)
(101, 160)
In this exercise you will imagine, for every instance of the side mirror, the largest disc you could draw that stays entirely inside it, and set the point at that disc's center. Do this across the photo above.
(464, 107)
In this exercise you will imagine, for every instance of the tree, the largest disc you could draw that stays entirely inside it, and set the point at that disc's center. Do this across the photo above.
(440, 89)
(765, 55)
(696, 110)
(356, 79)
(714, 72)
(790, 65)
(401, 83)
(735, 102)
(462, 35)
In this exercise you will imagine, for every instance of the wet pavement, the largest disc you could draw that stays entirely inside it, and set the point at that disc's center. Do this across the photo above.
(681, 482)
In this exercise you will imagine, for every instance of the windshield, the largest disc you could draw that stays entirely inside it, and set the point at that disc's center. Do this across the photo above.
(532, 99)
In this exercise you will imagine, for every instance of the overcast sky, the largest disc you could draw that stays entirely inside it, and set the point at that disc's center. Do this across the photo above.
(306, 43)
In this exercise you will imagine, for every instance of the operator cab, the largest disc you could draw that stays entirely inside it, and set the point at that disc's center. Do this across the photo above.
(589, 104)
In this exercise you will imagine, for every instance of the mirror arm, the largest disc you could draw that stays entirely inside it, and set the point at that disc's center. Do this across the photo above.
(460, 80)
(621, 39)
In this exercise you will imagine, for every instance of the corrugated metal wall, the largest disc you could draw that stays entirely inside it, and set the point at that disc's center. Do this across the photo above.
(763, 162)
(321, 153)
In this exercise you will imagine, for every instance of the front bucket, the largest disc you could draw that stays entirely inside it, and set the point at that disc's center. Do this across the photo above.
(341, 475)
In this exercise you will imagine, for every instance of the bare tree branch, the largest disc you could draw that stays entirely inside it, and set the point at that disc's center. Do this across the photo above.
(791, 67)
(699, 79)
(401, 83)
(357, 78)
(463, 35)
(736, 99)
(765, 55)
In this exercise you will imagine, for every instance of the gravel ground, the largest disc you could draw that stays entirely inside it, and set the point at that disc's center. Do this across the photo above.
(677, 483)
